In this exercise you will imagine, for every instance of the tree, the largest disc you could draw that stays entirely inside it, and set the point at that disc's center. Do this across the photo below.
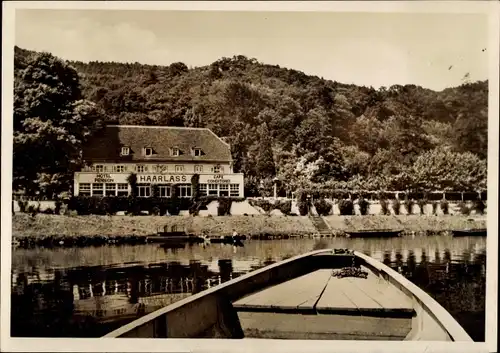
(264, 165)
(442, 169)
(51, 123)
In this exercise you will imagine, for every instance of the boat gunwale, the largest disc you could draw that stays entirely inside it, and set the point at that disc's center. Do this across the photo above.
(430, 305)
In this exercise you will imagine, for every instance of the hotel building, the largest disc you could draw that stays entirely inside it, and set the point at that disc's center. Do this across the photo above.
(161, 155)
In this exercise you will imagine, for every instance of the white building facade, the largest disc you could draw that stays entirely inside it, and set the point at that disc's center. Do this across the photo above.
(164, 156)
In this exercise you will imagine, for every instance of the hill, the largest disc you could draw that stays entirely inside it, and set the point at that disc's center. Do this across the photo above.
(304, 129)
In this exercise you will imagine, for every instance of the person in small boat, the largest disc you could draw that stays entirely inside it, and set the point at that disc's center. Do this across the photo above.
(235, 234)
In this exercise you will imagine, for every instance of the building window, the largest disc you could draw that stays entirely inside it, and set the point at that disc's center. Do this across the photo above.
(164, 190)
(218, 169)
(143, 190)
(212, 189)
(175, 152)
(122, 189)
(118, 168)
(97, 189)
(84, 189)
(198, 169)
(197, 152)
(99, 168)
(142, 168)
(160, 168)
(110, 189)
(234, 190)
(148, 151)
(223, 190)
(185, 190)
(179, 168)
(203, 189)
(125, 151)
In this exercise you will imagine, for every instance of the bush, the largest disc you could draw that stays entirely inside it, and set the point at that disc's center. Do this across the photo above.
(434, 208)
(479, 206)
(409, 205)
(396, 206)
(444, 206)
(302, 203)
(285, 207)
(33, 209)
(224, 208)
(264, 204)
(23, 205)
(421, 205)
(364, 206)
(346, 207)
(384, 207)
(463, 208)
(322, 207)
(58, 205)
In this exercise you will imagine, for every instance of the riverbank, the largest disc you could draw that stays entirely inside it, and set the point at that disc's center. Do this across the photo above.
(77, 230)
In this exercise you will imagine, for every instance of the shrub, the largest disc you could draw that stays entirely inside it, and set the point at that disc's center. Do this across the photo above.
(195, 187)
(364, 206)
(155, 191)
(132, 181)
(224, 208)
(346, 207)
(421, 205)
(384, 207)
(396, 206)
(434, 208)
(464, 209)
(23, 205)
(322, 207)
(264, 204)
(58, 205)
(285, 207)
(302, 203)
(174, 206)
(409, 205)
(33, 209)
(444, 206)
(479, 206)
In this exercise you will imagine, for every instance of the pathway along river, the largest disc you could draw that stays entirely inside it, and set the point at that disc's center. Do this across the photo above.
(87, 292)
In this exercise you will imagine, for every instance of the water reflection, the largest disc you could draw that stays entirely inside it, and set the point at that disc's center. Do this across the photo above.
(87, 292)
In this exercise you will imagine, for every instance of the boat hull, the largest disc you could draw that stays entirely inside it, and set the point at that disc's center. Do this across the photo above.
(469, 233)
(374, 234)
(288, 309)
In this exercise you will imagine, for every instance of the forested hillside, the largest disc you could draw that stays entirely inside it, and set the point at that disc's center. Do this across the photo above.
(280, 122)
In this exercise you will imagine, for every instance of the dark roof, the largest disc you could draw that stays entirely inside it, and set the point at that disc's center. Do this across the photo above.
(106, 145)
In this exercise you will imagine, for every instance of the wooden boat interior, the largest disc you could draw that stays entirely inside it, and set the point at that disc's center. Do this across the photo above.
(306, 297)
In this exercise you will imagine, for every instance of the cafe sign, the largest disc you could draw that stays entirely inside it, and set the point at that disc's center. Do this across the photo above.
(218, 179)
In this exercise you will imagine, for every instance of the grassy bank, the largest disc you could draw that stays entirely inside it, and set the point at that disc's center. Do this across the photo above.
(408, 223)
(76, 230)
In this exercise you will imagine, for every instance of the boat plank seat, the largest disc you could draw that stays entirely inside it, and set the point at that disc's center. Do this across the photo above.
(299, 294)
(372, 296)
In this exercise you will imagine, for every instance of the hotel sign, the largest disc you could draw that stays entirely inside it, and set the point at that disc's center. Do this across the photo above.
(162, 178)
(103, 178)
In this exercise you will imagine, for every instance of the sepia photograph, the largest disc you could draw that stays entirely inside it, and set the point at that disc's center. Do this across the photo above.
(262, 174)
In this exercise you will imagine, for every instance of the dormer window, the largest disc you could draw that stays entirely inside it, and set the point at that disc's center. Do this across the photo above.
(148, 151)
(175, 152)
(197, 152)
(125, 151)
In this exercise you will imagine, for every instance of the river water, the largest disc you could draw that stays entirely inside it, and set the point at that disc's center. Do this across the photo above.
(87, 292)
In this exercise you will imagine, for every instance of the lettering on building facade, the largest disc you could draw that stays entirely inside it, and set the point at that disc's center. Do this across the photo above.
(169, 179)
(103, 178)
(218, 179)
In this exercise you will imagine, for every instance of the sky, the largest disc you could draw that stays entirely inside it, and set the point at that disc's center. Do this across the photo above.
(372, 49)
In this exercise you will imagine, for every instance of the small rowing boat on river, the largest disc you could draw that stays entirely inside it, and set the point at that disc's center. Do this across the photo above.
(325, 294)
(469, 233)
(373, 233)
